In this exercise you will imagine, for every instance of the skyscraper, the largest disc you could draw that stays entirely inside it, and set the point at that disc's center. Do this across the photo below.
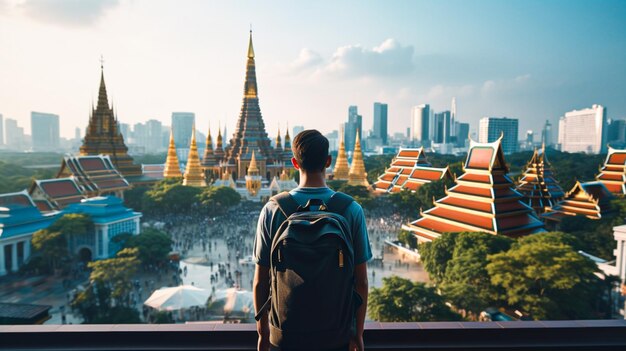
(154, 135)
(182, 124)
(380, 122)
(15, 135)
(453, 118)
(584, 130)
(44, 131)
(490, 129)
(546, 134)
(420, 124)
(77, 133)
(1, 130)
(442, 128)
(617, 132)
(462, 133)
(354, 124)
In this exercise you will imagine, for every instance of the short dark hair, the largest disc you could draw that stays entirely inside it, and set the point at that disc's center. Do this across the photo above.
(310, 148)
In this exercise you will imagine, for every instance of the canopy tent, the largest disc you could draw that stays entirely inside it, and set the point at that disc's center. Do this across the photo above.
(177, 298)
(231, 302)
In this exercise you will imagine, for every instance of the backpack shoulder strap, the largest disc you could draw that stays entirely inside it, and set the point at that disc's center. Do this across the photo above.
(339, 203)
(286, 203)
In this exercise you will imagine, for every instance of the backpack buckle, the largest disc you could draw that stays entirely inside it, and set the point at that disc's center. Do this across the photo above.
(313, 202)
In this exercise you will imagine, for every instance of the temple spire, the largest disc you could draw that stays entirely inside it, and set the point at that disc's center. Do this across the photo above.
(357, 174)
(342, 168)
(253, 169)
(250, 47)
(172, 167)
(193, 172)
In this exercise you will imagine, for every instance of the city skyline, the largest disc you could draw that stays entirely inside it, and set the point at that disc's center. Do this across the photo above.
(309, 77)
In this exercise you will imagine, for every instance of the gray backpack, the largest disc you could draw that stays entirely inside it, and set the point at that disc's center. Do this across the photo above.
(312, 303)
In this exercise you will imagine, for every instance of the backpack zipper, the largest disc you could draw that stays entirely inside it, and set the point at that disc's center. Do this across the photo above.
(340, 258)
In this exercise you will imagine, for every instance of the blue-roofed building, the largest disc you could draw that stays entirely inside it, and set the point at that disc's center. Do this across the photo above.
(111, 218)
(19, 219)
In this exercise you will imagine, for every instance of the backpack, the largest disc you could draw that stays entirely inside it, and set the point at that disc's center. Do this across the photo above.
(312, 302)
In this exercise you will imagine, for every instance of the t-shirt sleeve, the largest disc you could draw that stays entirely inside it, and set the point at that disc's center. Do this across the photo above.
(362, 249)
(263, 237)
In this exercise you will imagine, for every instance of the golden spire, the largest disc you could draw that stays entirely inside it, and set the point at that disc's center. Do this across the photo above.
(172, 167)
(357, 174)
(279, 145)
(193, 172)
(253, 169)
(287, 138)
(250, 48)
(341, 170)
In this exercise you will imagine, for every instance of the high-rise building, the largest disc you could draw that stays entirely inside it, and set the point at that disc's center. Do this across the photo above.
(380, 122)
(584, 130)
(140, 134)
(442, 128)
(490, 129)
(453, 119)
(354, 125)
(546, 134)
(125, 131)
(45, 131)
(154, 135)
(297, 129)
(1, 130)
(182, 124)
(462, 134)
(77, 133)
(617, 131)
(15, 135)
(420, 124)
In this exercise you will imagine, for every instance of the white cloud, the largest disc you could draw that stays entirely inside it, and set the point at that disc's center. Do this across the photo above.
(67, 12)
(307, 59)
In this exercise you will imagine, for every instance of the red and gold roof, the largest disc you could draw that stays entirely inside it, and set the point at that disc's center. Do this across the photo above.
(95, 175)
(591, 199)
(613, 172)
(482, 200)
(55, 194)
(409, 170)
(538, 184)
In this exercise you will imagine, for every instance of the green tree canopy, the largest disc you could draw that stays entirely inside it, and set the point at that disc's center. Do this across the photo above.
(153, 245)
(401, 300)
(52, 243)
(217, 200)
(542, 274)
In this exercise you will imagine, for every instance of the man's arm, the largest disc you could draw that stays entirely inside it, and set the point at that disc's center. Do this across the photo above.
(362, 285)
(261, 289)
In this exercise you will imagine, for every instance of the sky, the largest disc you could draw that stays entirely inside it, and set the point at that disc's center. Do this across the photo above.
(531, 60)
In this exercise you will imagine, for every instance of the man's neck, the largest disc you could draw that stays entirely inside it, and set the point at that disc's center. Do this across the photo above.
(312, 180)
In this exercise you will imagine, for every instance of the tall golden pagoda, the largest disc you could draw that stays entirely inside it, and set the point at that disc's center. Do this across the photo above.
(357, 174)
(253, 177)
(103, 136)
(287, 153)
(209, 161)
(279, 146)
(193, 172)
(172, 167)
(250, 134)
(342, 169)
(219, 147)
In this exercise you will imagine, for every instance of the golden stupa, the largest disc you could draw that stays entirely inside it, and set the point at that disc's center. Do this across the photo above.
(253, 178)
(172, 167)
(342, 169)
(357, 174)
(194, 176)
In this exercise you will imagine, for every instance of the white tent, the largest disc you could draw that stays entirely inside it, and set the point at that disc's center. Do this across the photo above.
(180, 297)
(232, 302)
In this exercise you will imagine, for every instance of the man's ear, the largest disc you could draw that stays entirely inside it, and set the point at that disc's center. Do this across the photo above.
(295, 164)
(329, 161)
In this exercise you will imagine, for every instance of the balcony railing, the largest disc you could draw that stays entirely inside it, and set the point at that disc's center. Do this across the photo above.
(533, 335)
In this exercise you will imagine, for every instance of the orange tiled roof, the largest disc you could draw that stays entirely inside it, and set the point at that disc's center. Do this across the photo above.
(591, 199)
(409, 169)
(613, 172)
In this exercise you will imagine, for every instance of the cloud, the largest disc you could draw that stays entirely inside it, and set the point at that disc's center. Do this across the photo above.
(388, 59)
(307, 59)
(506, 85)
(67, 12)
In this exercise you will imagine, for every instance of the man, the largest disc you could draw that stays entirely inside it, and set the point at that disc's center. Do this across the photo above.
(311, 158)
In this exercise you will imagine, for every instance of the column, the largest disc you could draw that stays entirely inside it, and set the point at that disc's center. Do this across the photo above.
(105, 240)
(3, 269)
(14, 257)
(26, 250)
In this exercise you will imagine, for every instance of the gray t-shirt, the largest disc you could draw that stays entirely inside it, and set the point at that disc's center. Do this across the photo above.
(354, 216)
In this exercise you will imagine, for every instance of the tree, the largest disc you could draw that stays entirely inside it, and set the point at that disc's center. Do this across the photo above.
(542, 274)
(170, 196)
(133, 198)
(407, 203)
(401, 300)
(52, 246)
(217, 200)
(153, 245)
(106, 299)
(407, 238)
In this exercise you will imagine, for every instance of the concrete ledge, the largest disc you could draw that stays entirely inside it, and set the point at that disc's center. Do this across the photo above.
(535, 335)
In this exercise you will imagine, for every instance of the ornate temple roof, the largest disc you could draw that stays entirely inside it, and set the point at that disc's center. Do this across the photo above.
(613, 172)
(409, 169)
(172, 166)
(357, 174)
(591, 199)
(103, 209)
(342, 169)
(250, 129)
(209, 159)
(538, 184)
(20, 216)
(104, 137)
(482, 200)
(93, 174)
(194, 176)
(55, 194)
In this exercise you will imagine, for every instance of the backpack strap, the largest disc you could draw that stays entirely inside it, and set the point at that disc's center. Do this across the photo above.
(286, 203)
(339, 203)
